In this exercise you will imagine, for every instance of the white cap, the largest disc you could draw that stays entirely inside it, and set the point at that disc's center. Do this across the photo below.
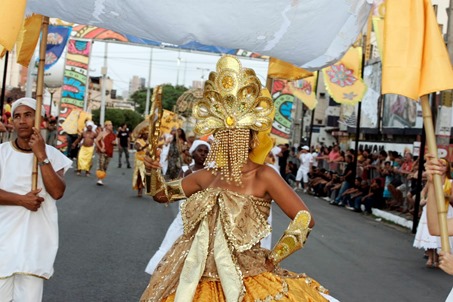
(92, 124)
(196, 143)
(305, 148)
(26, 102)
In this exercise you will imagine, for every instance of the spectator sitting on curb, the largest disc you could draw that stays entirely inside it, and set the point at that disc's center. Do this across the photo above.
(374, 197)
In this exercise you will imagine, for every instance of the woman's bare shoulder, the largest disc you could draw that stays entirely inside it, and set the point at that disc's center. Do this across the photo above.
(268, 171)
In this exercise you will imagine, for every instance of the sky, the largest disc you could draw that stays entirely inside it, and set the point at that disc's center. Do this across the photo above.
(124, 61)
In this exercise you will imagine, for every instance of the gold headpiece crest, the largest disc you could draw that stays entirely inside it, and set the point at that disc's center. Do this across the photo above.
(233, 103)
(232, 98)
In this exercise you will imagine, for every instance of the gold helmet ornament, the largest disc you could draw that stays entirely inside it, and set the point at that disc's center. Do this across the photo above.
(233, 104)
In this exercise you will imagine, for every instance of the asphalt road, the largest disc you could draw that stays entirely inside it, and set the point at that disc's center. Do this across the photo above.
(107, 236)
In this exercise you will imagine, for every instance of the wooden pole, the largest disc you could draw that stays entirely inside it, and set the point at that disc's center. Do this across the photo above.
(5, 72)
(437, 179)
(315, 91)
(39, 92)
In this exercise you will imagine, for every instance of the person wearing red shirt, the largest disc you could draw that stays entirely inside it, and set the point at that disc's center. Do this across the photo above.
(105, 143)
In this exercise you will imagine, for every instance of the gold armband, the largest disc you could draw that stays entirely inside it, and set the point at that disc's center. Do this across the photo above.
(293, 238)
(172, 189)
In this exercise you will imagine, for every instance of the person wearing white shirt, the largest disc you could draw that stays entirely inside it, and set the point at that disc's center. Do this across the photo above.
(306, 160)
(28, 218)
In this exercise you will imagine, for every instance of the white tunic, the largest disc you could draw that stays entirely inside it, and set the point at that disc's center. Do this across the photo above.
(28, 240)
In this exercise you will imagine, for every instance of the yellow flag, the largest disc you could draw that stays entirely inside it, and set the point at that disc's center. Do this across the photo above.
(82, 119)
(28, 38)
(70, 125)
(415, 61)
(343, 79)
(378, 26)
(305, 90)
(279, 69)
(168, 121)
(11, 17)
(2, 51)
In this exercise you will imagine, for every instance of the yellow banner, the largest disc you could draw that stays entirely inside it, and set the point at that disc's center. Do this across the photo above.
(378, 27)
(11, 17)
(83, 118)
(305, 90)
(415, 61)
(343, 79)
(28, 38)
(279, 69)
(70, 125)
(169, 120)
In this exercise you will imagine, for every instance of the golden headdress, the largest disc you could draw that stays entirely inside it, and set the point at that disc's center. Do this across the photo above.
(233, 103)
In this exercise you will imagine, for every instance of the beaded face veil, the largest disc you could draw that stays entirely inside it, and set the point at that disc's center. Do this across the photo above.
(233, 104)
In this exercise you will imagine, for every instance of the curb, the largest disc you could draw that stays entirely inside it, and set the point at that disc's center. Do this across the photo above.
(393, 218)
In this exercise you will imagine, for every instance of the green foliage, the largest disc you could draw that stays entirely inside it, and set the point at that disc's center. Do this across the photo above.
(132, 118)
(139, 99)
(170, 95)
(119, 117)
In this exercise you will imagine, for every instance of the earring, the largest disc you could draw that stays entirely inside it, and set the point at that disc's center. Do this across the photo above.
(255, 142)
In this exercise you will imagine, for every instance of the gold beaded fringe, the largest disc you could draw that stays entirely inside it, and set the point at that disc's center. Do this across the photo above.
(229, 152)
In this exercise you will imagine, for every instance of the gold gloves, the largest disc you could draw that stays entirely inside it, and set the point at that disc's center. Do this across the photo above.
(293, 238)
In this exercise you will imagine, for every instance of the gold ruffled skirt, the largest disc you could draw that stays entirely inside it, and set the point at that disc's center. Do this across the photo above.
(264, 287)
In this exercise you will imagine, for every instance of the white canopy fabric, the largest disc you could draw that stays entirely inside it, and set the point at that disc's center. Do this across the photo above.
(308, 33)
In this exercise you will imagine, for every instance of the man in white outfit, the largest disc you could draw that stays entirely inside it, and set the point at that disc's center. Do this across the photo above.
(306, 160)
(28, 218)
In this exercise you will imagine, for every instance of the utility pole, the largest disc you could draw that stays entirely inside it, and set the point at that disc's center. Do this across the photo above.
(202, 72)
(104, 76)
(178, 63)
(148, 88)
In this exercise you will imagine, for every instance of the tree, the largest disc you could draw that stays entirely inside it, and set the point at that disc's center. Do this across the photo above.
(119, 117)
(169, 96)
(139, 100)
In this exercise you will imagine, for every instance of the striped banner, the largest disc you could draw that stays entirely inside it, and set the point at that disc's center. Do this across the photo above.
(74, 89)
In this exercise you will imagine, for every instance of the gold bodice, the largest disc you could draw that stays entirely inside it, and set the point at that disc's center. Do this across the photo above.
(221, 241)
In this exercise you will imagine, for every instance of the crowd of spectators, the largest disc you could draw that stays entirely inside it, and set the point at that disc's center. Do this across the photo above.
(383, 180)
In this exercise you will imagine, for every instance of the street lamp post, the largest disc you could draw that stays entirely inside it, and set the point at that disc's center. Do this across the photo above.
(202, 71)
(178, 63)
(104, 76)
(148, 88)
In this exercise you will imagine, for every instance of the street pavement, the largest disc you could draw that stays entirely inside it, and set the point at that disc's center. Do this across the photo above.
(107, 236)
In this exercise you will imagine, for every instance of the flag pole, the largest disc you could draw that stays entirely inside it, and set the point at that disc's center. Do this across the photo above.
(437, 180)
(315, 91)
(39, 92)
(5, 72)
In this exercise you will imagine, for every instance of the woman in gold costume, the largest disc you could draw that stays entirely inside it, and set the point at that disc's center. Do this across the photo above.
(219, 256)
(138, 177)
